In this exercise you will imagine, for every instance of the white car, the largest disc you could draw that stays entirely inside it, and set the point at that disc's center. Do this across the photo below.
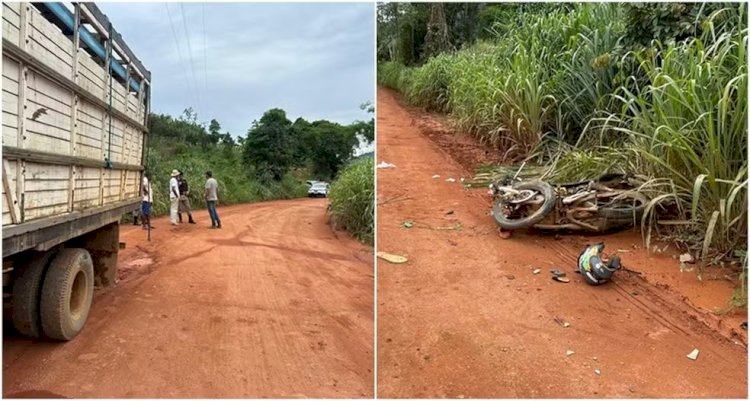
(318, 189)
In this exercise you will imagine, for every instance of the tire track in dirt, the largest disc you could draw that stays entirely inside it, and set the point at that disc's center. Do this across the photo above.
(465, 317)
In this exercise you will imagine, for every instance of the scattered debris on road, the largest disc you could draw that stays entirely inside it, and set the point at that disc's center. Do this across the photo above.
(561, 279)
(597, 371)
(687, 258)
(536, 271)
(435, 177)
(385, 164)
(561, 322)
(558, 272)
(389, 257)
(451, 179)
(694, 354)
(569, 353)
(407, 224)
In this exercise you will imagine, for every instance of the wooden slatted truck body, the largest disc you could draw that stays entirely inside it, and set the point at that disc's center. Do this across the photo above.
(75, 107)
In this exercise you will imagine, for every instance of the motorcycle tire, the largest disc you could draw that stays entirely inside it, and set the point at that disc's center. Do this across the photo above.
(631, 211)
(544, 189)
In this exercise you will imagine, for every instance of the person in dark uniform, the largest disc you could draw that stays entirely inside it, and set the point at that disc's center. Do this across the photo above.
(184, 204)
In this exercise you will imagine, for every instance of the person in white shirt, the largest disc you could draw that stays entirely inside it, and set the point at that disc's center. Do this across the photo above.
(174, 197)
(146, 201)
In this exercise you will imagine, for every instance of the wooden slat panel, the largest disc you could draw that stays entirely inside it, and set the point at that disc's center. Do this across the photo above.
(49, 129)
(48, 44)
(46, 190)
(12, 13)
(87, 188)
(91, 75)
(10, 101)
(11, 176)
(11, 21)
(89, 131)
(39, 171)
(118, 97)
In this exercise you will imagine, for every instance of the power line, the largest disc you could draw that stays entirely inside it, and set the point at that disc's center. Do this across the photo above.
(190, 51)
(205, 48)
(177, 43)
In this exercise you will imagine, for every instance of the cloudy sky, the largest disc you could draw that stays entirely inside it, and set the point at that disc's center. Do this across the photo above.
(313, 60)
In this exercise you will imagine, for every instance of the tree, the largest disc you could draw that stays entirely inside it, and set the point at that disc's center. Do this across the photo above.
(366, 129)
(189, 115)
(437, 39)
(214, 129)
(269, 146)
(329, 146)
(227, 139)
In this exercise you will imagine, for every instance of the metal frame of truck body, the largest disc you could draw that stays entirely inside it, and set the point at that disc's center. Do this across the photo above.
(94, 193)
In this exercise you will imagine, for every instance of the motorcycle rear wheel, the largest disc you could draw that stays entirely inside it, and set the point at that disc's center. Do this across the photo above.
(630, 207)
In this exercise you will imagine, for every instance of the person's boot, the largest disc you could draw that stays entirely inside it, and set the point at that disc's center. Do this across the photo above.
(179, 217)
(135, 220)
(190, 218)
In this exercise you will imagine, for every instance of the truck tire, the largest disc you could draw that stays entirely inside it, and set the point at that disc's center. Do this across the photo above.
(27, 288)
(67, 293)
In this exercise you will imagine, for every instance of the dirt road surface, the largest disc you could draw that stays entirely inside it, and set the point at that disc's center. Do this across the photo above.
(275, 304)
(466, 317)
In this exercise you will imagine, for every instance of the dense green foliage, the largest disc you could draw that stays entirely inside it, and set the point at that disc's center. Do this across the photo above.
(353, 200)
(272, 162)
(236, 185)
(654, 89)
(274, 145)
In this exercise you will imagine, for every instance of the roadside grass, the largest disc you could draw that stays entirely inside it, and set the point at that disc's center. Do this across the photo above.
(352, 198)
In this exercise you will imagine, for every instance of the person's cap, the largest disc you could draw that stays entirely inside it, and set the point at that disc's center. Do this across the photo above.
(175, 173)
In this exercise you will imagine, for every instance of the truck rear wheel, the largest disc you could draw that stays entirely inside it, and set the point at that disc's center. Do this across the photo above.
(27, 288)
(67, 293)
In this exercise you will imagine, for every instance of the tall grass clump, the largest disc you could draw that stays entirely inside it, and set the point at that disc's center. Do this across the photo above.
(353, 200)
(428, 85)
(689, 125)
(394, 75)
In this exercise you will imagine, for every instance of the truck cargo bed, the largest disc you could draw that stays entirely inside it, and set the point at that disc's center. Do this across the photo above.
(74, 134)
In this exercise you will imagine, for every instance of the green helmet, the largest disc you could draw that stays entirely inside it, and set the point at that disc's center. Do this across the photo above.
(592, 267)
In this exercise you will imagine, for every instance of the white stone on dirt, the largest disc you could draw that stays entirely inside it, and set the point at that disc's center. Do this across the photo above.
(694, 354)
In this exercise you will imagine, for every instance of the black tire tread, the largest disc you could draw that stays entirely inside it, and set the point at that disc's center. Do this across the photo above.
(516, 224)
(27, 288)
(54, 302)
(629, 214)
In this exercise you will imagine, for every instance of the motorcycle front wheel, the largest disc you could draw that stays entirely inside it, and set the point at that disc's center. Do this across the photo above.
(527, 220)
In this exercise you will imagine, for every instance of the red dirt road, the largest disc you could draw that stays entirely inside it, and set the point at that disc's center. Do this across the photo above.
(273, 305)
(466, 317)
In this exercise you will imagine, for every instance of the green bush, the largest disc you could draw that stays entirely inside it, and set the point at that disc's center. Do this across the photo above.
(353, 200)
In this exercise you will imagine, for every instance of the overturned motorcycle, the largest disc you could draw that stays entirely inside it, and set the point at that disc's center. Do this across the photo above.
(610, 202)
